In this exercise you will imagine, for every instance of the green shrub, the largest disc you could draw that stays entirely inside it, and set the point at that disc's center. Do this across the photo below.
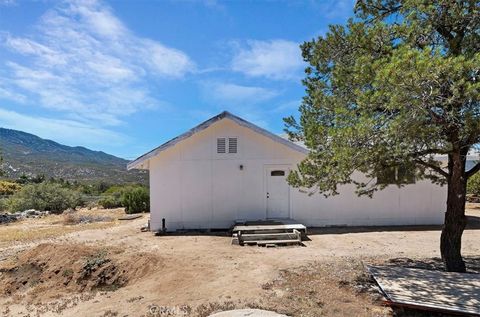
(136, 200)
(93, 189)
(112, 197)
(3, 204)
(25, 179)
(131, 196)
(473, 185)
(44, 196)
(110, 202)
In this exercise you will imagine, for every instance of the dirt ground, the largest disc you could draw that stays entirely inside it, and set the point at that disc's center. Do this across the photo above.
(54, 266)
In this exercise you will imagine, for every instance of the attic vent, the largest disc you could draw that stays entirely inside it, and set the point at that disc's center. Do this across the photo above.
(227, 145)
(232, 145)
(221, 145)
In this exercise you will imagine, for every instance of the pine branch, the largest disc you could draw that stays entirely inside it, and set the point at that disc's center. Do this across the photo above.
(430, 151)
(434, 167)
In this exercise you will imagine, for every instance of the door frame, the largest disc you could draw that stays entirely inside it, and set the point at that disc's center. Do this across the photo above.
(266, 168)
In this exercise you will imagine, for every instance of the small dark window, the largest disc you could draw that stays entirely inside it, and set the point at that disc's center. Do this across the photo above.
(221, 145)
(232, 145)
(277, 173)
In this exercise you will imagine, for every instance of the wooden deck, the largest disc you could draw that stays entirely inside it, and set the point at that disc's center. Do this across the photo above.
(287, 224)
(268, 233)
(297, 226)
(447, 292)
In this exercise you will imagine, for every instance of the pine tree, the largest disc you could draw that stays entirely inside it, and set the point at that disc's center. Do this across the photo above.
(395, 86)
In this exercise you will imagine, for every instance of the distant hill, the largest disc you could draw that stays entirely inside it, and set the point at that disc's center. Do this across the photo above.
(25, 153)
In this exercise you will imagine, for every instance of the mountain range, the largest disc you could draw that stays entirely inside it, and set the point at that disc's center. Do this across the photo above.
(27, 154)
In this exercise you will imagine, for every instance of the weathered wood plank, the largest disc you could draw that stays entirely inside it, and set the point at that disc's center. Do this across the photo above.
(296, 226)
(264, 242)
(429, 289)
(269, 236)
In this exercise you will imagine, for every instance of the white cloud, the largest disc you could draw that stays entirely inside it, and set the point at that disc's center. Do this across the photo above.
(274, 59)
(69, 132)
(6, 93)
(164, 60)
(236, 94)
(97, 18)
(87, 64)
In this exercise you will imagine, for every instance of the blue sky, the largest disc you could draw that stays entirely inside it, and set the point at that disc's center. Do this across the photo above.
(126, 76)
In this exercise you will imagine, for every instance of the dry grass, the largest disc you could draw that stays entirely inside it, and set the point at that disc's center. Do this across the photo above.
(30, 234)
(75, 219)
(28, 230)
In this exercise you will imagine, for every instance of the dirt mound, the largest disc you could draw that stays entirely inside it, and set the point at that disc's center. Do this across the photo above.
(51, 270)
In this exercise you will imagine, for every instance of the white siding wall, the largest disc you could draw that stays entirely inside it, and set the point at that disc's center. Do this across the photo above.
(194, 187)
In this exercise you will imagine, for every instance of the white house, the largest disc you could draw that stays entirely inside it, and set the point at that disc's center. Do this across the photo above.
(228, 169)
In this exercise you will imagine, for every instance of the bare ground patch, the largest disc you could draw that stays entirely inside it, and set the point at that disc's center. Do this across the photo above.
(204, 273)
(49, 271)
(334, 288)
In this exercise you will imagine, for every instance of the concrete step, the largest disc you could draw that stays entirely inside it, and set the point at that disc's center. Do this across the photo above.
(269, 236)
(272, 242)
(269, 228)
(269, 232)
(266, 231)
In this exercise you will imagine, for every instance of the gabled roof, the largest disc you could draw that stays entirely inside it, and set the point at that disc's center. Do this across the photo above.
(202, 126)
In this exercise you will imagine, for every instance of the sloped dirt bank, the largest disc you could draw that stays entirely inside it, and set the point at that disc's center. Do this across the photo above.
(50, 270)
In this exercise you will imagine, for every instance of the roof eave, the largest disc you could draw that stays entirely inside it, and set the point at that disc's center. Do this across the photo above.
(225, 114)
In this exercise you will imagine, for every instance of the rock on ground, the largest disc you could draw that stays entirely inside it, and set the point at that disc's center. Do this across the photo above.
(7, 218)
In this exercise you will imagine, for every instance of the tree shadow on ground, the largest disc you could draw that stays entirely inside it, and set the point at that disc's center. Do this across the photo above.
(197, 232)
(473, 223)
(436, 264)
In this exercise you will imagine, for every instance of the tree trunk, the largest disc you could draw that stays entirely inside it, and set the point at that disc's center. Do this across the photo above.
(455, 220)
